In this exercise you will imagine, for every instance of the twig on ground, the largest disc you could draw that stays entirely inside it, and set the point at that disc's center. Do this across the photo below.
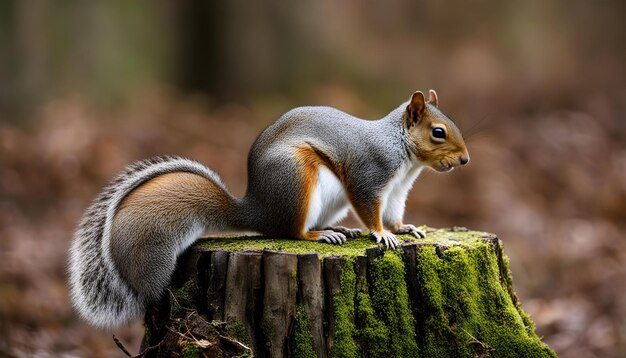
(121, 346)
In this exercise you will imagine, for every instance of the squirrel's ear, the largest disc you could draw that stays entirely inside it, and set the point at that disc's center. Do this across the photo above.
(432, 98)
(416, 107)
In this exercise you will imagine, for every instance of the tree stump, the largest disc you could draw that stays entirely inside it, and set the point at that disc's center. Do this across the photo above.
(448, 295)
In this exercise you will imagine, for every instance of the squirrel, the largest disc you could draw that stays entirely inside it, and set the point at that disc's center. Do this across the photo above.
(305, 172)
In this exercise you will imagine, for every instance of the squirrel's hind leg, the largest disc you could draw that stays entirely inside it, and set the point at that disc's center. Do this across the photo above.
(327, 236)
(408, 229)
(347, 232)
(324, 202)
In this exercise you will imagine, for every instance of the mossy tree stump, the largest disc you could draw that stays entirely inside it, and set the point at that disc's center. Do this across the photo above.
(448, 295)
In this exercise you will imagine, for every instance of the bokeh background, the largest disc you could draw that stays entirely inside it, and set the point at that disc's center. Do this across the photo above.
(537, 87)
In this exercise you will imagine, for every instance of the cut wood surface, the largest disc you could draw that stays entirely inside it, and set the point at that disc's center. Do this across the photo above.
(447, 295)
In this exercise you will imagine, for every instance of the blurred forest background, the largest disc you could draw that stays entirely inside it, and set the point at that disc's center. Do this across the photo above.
(538, 88)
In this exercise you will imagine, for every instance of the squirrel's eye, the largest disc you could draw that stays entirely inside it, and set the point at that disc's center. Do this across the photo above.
(438, 133)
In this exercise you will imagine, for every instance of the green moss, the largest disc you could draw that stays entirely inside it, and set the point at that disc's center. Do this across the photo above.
(182, 299)
(352, 248)
(237, 330)
(303, 338)
(470, 312)
(390, 301)
(191, 350)
(372, 334)
(344, 344)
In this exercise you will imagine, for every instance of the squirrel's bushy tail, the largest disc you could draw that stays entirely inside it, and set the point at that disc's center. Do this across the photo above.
(98, 291)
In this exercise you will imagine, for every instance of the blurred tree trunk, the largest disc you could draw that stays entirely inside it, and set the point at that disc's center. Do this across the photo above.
(213, 49)
(7, 58)
(104, 51)
(229, 49)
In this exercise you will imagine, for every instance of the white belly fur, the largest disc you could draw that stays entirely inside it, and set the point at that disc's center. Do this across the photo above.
(395, 193)
(328, 203)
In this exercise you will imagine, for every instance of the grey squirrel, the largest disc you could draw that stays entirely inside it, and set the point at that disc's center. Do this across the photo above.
(305, 171)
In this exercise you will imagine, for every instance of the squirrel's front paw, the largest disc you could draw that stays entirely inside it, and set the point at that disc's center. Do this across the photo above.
(332, 237)
(390, 240)
(408, 229)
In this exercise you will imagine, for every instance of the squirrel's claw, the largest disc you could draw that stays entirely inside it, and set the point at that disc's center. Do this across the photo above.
(390, 240)
(408, 229)
(347, 232)
(332, 237)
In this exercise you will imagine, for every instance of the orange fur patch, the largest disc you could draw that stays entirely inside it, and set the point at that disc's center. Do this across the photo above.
(177, 191)
(309, 161)
(311, 236)
(169, 201)
(370, 215)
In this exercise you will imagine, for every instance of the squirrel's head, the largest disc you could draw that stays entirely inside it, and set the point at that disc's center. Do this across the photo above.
(434, 139)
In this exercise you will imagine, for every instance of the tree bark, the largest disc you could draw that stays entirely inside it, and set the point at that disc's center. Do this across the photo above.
(447, 295)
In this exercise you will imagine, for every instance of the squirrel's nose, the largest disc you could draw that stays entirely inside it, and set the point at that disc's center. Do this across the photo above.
(464, 159)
